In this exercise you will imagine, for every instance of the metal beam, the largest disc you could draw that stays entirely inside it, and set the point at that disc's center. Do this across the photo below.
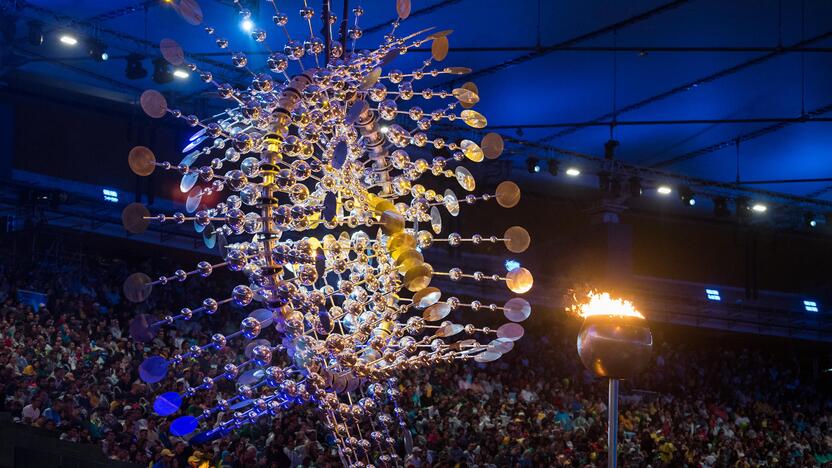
(422, 11)
(607, 123)
(645, 50)
(543, 51)
(691, 85)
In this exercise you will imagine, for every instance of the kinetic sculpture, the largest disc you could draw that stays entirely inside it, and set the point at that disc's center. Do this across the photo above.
(328, 223)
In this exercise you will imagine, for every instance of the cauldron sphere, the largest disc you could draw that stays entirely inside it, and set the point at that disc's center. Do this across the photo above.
(615, 346)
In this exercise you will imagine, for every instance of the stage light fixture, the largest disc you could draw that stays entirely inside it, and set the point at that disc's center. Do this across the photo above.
(759, 208)
(533, 165)
(247, 24)
(664, 190)
(713, 294)
(135, 70)
(181, 74)
(98, 51)
(553, 167)
(573, 172)
(68, 39)
(161, 71)
(635, 187)
(810, 220)
(687, 196)
(35, 34)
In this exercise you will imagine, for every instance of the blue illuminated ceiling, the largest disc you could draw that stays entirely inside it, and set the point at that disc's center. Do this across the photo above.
(697, 60)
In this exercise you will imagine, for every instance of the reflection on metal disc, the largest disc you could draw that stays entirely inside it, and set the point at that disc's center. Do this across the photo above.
(471, 150)
(517, 309)
(183, 425)
(134, 218)
(194, 199)
(519, 280)
(517, 239)
(435, 220)
(451, 202)
(172, 52)
(390, 56)
(254, 343)
(141, 329)
(458, 70)
(356, 110)
(137, 287)
(492, 145)
(439, 48)
(511, 331)
(465, 179)
(473, 118)
(470, 86)
(153, 103)
(153, 369)
(443, 33)
(426, 297)
(466, 96)
(487, 356)
(250, 377)
(403, 8)
(188, 181)
(198, 134)
(198, 227)
(190, 159)
(330, 204)
(209, 236)
(339, 155)
(194, 143)
(264, 316)
(142, 161)
(448, 329)
(508, 194)
(190, 12)
(437, 312)
(501, 345)
(167, 403)
(370, 79)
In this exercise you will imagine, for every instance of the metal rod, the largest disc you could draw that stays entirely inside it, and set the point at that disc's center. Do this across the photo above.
(785, 181)
(612, 425)
(327, 32)
(606, 123)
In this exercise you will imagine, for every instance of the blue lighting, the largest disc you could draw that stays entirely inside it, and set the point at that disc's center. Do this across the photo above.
(512, 265)
(713, 294)
(810, 306)
(110, 195)
(247, 25)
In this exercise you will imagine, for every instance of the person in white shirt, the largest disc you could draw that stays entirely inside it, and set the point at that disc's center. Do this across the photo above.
(31, 412)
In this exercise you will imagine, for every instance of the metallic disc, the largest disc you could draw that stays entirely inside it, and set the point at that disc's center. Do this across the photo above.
(141, 328)
(190, 11)
(133, 218)
(519, 280)
(390, 56)
(470, 86)
(501, 345)
(190, 159)
(472, 150)
(153, 369)
(466, 96)
(142, 161)
(473, 118)
(391, 222)
(443, 33)
(198, 134)
(339, 383)
(508, 194)
(517, 309)
(439, 48)
(250, 377)
(188, 181)
(448, 329)
(451, 202)
(426, 297)
(370, 79)
(492, 145)
(194, 143)
(198, 227)
(153, 103)
(264, 316)
(137, 287)
(183, 425)
(436, 312)
(458, 70)
(517, 239)
(167, 403)
(418, 277)
(194, 199)
(172, 52)
(403, 8)
(435, 220)
(253, 344)
(465, 179)
(511, 331)
(356, 110)
(209, 236)
(352, 382)
(487, 356)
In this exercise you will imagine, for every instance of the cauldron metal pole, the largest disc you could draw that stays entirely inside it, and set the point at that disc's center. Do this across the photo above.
(612, 425)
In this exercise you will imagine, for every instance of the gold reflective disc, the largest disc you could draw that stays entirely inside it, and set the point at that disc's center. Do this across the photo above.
(466, 96)
(391, 222)
(371, 79)
(137, 287)
(470, 86)
(403, 8)
(439, 48)
(465, 179)
(172, 52)
(436, 312)
(153, 103)
(449, 329)
(426, 297)
(407, 258)
(517, 309)
(133, 218)
(142, 161)
(508, 194)
(418, 277)
(451, 202)
(517, 239)
(519, 280)
(399, 241)
(458, 70)
(443, 33)
(492, 145)
(471, 150)
(473, 118)
(435, 220)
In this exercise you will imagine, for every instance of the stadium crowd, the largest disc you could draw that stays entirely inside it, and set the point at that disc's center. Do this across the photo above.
(70, 367)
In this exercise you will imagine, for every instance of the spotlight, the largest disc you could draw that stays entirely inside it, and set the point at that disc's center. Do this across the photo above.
(181, 74)
(759, 208)
(635, 187)
(687, 197)
(98, 51)
(533, 165)
(384, 129)
(552, 167)
(664, 190)
(35, 35)
(247, 25)
(573, 172)
(68, 39)
(809, 220)
(161, 71)
(135, 70)
(721, 207)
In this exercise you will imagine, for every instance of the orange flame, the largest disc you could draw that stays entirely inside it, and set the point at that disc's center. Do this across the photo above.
(604, 304)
